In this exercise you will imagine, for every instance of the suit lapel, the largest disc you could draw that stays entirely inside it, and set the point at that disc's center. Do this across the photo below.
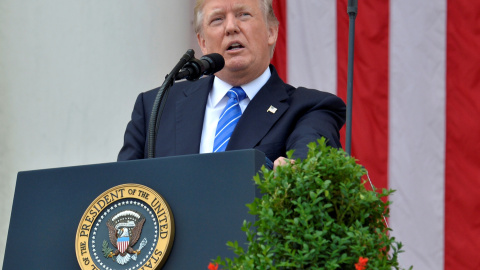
(190, 112)
(257, 119)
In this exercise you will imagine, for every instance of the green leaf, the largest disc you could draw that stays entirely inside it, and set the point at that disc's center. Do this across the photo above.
(316, 214)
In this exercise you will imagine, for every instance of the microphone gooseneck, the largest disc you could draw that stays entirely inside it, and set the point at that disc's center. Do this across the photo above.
(159, 102)
(190, 68)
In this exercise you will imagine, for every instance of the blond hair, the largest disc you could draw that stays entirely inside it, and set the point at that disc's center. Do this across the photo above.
(265, 6)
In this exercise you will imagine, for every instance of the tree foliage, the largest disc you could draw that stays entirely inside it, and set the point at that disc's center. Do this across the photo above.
(316, 214)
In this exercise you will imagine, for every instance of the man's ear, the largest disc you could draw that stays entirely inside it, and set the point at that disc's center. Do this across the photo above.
(202, 43)
(272, 34)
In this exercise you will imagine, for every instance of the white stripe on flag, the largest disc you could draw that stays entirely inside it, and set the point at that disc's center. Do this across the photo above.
(312, 44)
(417, 129)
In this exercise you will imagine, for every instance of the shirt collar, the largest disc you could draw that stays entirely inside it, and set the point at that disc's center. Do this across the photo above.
(220, 88)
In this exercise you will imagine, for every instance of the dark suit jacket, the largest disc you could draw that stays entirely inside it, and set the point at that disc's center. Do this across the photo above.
(302, 116)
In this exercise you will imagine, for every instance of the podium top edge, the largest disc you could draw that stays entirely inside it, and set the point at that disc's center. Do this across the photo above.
(256, 153)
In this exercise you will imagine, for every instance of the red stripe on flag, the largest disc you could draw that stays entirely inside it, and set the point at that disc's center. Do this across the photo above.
(370, 90)
(279, 59)
(462, 169)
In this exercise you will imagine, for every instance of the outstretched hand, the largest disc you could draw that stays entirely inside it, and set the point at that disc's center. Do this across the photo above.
(281, 161)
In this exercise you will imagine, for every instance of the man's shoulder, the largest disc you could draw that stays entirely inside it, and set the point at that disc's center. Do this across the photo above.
(302, 97)
(309, 93)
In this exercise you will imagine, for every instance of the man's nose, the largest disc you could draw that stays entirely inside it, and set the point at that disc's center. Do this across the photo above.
(231, 26)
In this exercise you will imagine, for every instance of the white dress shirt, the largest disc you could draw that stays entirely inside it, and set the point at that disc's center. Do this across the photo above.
(217, 100)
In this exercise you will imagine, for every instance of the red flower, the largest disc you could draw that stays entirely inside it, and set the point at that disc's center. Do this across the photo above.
(212, 266)
(362, 263)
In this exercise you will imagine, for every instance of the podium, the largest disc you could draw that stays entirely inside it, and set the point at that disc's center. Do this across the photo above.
(207, 194)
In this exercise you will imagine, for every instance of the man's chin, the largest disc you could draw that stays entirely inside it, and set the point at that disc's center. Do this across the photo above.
(234, 75)
(236, 66)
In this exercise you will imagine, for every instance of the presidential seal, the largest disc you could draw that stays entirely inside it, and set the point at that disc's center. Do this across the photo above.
(127, 227)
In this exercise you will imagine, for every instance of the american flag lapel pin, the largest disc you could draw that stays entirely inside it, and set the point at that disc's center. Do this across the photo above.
(272, 109)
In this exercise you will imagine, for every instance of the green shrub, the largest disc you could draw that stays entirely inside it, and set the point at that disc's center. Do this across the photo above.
(316, 214)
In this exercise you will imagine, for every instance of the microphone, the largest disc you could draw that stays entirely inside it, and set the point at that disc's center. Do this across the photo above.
(196, 68)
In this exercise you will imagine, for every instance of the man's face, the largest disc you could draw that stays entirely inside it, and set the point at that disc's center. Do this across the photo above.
(237, 30)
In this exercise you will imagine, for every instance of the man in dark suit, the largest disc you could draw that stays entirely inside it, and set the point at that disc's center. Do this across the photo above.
(275, 117)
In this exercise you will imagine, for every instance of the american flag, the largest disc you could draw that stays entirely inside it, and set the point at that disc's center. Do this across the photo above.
(416, 109)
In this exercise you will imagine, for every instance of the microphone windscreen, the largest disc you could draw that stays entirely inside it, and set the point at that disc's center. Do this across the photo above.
(215, 61)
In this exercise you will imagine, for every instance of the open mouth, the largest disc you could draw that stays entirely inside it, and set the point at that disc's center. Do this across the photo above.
(235, 46)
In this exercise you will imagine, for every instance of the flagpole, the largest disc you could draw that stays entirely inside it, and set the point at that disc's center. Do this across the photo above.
(352, 13)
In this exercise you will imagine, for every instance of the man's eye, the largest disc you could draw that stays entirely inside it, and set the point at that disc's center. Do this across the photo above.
(214, 20)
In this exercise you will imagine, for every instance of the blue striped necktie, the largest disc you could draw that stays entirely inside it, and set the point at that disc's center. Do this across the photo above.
(228, 119)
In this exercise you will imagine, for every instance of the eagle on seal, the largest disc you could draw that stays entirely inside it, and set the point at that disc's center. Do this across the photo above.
(124, 230)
